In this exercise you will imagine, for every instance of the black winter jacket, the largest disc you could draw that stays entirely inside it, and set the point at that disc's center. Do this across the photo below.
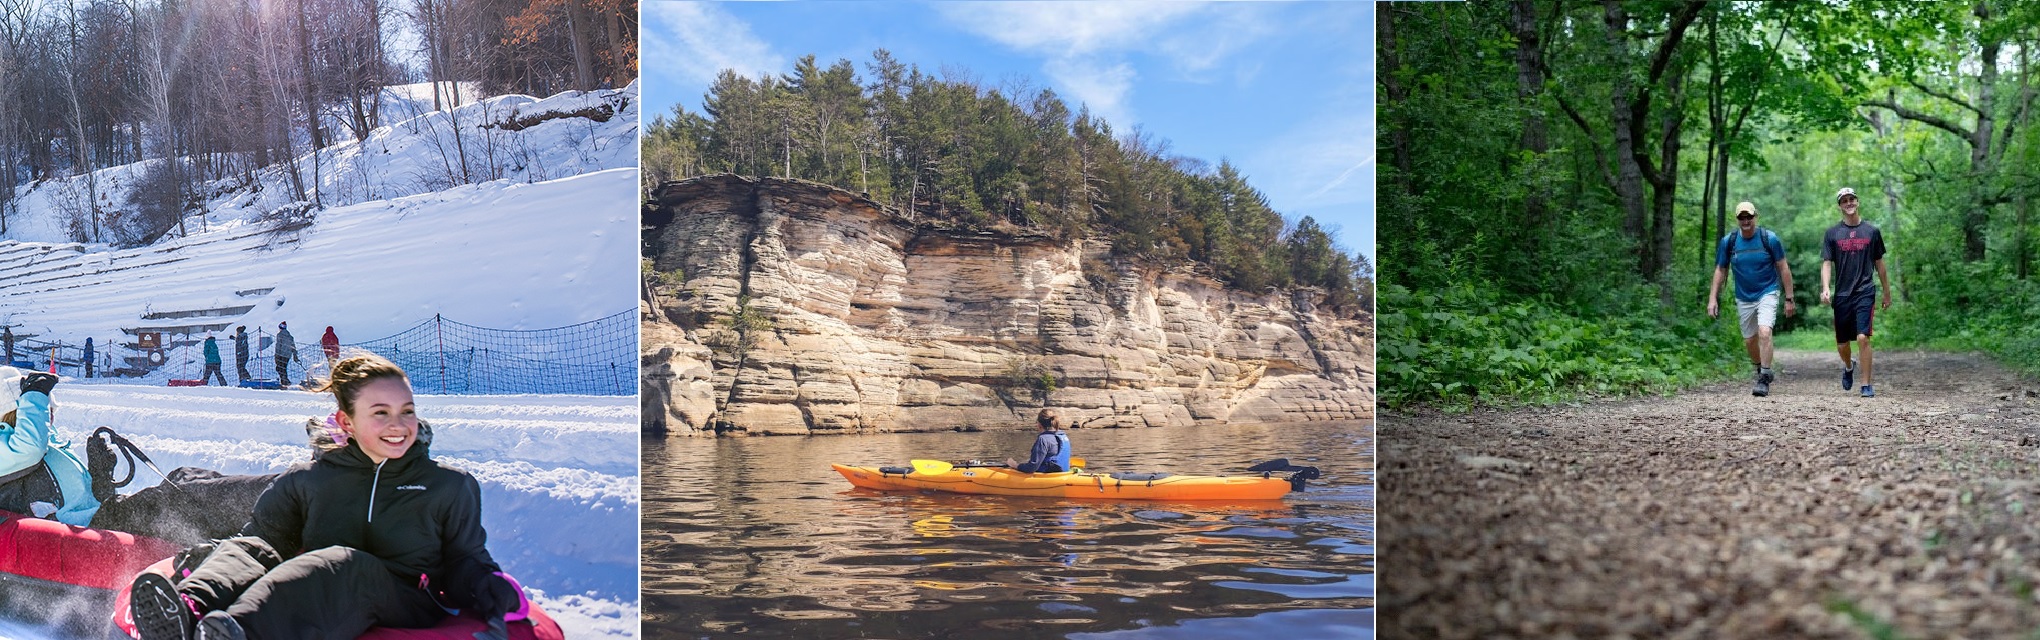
(418, 517)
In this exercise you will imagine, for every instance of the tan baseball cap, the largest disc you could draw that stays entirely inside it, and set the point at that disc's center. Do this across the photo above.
(1745, 207)
(1845, 192)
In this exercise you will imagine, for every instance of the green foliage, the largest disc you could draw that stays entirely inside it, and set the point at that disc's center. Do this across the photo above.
(950, 150)
(1467, 346)
(1968, 307)
(745, 327)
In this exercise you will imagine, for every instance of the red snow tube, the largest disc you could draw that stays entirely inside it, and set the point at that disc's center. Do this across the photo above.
(77, 556)
(537, 627)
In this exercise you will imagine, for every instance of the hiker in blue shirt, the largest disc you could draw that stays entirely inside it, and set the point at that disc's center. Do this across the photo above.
(1757, 259)
(1051, 452)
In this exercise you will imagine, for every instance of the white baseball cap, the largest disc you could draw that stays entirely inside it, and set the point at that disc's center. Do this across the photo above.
(10, 388)
(1844, 192)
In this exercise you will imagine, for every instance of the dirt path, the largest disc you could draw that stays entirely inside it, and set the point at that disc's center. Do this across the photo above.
(1810, 513)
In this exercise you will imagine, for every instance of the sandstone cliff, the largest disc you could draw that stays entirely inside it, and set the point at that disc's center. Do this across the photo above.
(860, 320)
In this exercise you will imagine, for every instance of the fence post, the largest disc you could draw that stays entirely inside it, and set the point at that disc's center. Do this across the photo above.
(439, 326)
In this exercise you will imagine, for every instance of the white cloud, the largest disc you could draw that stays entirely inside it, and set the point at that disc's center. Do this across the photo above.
(1066, 28)
(1105, 89)
(692, 42)
(1084, 46)
(1323, 161)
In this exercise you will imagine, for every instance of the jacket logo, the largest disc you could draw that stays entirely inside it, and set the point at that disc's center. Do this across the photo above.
(411, 487)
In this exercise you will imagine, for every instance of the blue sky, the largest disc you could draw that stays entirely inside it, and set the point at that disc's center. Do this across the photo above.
(1285, 90)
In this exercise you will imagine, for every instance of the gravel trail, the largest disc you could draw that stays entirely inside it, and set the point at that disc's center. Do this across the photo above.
(1811, 513)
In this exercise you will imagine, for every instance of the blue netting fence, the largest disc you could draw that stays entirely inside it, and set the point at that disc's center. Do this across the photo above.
(442, 356)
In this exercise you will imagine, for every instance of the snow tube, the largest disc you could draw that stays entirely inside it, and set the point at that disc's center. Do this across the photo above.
(180, 382)
(1068, 484)
(537, 626)
(55, 552)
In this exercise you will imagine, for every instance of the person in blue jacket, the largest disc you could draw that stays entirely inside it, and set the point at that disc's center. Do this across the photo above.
(38, 474)
(212, 362)
(88, 357)
(1051, 453)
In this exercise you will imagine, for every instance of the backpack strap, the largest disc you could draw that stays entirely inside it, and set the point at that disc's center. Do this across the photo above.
(1771, 240)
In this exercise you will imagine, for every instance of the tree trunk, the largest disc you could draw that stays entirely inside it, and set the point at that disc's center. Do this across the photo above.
(1980, 158)
(1393, 93)
(1628, 172)
(1529, 87)
(577, 34)
(1665, 183)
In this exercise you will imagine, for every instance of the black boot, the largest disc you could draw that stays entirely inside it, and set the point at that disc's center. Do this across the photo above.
(158, 611)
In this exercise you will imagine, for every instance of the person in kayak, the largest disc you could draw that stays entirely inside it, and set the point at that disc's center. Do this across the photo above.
(1051, 453)
(374, 534)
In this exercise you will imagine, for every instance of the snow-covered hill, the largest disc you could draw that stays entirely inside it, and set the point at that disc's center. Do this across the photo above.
(512, 137)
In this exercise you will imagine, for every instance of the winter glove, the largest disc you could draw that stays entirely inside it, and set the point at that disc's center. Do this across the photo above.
(494, 596)
(38, 382)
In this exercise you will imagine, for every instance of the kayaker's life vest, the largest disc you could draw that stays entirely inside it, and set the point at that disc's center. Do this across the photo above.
(1061, 457)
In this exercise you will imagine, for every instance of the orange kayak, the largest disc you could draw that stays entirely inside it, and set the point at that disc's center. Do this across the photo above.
(1068, 484)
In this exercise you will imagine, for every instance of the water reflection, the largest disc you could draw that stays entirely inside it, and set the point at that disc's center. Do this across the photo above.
(758, 535)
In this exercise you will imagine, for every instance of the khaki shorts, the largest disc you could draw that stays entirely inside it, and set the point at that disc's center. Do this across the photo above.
(1762, 313)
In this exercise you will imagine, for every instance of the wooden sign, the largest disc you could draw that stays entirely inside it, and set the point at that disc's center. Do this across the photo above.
(149, 340)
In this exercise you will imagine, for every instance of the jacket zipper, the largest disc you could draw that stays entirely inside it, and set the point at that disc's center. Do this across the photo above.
(371, 489)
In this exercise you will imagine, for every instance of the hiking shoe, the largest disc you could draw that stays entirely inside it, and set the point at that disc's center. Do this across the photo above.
(1867, 393)
(1849, 377)
(159, 612)
(219, 626)
(1761, 389)
(1766, 377)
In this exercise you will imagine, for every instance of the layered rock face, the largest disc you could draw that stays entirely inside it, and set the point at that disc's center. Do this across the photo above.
(788, 307)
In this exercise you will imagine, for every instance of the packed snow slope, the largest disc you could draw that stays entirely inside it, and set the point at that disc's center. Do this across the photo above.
(551, 242)
(558, 473)
(500, 254)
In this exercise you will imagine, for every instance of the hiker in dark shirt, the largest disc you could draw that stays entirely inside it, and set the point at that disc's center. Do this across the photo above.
(1851, 249)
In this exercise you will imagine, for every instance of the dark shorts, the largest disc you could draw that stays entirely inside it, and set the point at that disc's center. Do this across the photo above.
(1853, 315)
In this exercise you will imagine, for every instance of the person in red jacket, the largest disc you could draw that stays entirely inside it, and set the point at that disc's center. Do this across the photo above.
(331, 344)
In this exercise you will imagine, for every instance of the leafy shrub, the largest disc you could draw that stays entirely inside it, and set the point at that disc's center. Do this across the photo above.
(1466, 346)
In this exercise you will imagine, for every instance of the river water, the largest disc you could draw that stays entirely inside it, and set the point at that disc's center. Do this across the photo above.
(758, 536)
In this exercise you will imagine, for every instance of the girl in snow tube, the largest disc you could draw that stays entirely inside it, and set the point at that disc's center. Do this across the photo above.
(374, 534)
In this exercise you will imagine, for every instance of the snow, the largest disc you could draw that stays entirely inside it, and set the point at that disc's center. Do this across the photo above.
(541, 232)
(420, 154)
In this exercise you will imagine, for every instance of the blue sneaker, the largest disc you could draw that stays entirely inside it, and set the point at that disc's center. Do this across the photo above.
(1849, 377)
(1867, 393)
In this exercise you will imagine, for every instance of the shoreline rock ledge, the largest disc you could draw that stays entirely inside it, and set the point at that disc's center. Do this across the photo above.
(777, 306)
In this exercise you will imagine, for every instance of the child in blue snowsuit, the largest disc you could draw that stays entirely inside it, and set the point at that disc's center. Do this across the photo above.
(38, 474)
